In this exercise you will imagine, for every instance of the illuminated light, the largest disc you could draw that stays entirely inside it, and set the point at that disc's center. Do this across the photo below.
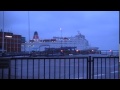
(110, 50)
(61, 50)
(77, 50)
(8, 36)
(92, 50)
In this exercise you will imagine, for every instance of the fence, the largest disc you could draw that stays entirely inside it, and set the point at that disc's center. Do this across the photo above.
(110, 52)
(60, 68)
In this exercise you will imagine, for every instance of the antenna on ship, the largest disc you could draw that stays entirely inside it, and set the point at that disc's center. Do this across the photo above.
(11, 29)
(78, 32)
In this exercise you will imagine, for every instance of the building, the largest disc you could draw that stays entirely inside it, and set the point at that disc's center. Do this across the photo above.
(12, 42)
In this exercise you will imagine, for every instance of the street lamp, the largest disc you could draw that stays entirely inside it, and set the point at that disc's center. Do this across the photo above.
(29, 28)
(77, 50)
(111, 52)
(61, 36)
(3, 35)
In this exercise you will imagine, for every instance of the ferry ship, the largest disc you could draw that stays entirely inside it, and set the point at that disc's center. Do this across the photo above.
(79, 41)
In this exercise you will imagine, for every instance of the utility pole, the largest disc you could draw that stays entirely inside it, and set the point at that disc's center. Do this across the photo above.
(29, 29)
(3, 35)
(61, 37)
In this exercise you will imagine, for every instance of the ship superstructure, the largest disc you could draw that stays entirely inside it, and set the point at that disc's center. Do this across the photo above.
(38, 44)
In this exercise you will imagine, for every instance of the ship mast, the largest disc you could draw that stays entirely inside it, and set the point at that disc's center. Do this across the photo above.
(78, 32)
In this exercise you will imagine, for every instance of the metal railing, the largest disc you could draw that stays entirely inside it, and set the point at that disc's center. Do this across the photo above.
(104, 68)
(60, 68)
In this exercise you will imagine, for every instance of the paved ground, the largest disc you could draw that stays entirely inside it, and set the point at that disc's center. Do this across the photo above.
(64, 69)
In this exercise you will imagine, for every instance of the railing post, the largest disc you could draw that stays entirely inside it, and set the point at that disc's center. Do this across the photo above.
(119, 69)
(4, 64)
(89, 63)
(119, 61)
(92, 60)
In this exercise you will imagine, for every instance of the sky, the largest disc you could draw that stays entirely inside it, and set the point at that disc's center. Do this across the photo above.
(101, 28)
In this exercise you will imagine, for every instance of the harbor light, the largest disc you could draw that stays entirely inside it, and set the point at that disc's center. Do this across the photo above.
(77, 50)
(61, 50)
(110, 50)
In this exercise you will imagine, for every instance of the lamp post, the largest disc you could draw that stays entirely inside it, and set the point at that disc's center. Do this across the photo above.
(3, 35)
(29, 29)
(61, 37)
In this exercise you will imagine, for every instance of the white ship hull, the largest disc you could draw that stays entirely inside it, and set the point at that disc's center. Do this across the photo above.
(77, 41)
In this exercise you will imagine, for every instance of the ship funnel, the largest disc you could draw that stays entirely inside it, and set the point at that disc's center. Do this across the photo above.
(35, 36)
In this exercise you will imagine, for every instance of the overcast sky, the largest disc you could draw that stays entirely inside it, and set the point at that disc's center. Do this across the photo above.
(101, 28)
